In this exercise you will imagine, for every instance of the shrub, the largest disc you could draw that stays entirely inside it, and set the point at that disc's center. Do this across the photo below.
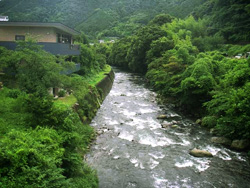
(209, 121)
(14, 93)
(62, 93)
(230, 102)
(40, 109)
(31, 159)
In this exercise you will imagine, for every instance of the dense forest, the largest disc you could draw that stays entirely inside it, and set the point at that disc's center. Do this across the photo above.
(46, 138)
(96, 17)
(193, 65)
(185, 49)
(119, 18)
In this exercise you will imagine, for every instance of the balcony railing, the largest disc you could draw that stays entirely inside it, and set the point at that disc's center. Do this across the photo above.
(54, 48)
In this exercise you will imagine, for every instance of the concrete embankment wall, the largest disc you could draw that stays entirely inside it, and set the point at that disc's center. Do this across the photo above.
(95, 97)
(105, 85)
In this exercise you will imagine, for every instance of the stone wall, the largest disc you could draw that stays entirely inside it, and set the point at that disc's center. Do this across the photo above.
(105, 85)
(95, 97)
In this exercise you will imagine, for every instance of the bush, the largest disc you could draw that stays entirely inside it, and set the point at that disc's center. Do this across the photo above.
(14, 93)
(62, 93)
(230, 102)
(31, 159)
(209, 121)
(40, 109)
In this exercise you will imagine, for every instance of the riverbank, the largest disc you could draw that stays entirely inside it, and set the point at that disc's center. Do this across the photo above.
(132, 148)
(58, 143)
(207, 79)
(92, 80)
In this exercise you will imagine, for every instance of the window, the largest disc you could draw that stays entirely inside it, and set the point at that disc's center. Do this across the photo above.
(63, 38)
(20, 37)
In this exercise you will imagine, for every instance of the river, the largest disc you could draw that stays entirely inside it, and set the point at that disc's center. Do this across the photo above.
(134, 151)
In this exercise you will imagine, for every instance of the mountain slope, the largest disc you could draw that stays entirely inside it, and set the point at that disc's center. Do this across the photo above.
(103, 17)
(230, 18)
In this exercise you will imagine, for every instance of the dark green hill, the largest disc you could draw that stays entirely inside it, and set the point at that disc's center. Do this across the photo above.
(103, 17)
(230, 18)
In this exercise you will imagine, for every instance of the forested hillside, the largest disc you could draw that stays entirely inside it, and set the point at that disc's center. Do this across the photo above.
(194, 53)
(43, 139)
(230, 18)
(187, 60)
(103, 17)
(120, 18)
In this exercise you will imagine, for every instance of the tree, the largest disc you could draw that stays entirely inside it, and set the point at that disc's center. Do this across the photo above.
(161, 19)
(37, 72)
(140, 45)
(82, 38)
(230, 101)
(118, 55)
(32, 159)
(34, 69)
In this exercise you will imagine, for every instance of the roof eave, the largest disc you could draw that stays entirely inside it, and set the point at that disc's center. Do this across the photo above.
(39, 24)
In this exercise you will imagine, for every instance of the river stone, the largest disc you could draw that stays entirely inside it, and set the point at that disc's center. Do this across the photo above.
(76, 106)
(198, 121)
(99, 132)
(240, 144)
(162, 117)
(174, 126)
(200, 153)
(213, 131)
(166, 124)
(221, 140)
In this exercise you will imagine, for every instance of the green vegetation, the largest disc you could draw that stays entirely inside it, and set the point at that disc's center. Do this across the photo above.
(229, 18)
(93, 80)
(188, 64)
(43, 140)
(69, 100)
(122, 18)
(42, 146)
(96, 17)
(186, 53)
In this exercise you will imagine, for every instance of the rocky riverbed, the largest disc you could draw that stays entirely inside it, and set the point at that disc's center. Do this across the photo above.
(135, 147)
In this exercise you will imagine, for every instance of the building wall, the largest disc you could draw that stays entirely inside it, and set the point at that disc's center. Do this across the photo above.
(41, 34)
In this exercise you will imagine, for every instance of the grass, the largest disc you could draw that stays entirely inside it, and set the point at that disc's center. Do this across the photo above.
(91, 80)
(95, 79)
(68, 100)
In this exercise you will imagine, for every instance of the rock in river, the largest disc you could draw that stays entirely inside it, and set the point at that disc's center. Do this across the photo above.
(162, 117)
(221, 140)
(198, 121)
(240, 144)
(166, 125)
(200, 153)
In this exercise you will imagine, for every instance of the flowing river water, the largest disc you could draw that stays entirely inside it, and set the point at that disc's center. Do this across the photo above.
(134, 151)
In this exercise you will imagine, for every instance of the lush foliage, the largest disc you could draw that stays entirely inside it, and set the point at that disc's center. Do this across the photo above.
(186, 63)
(42, 145)
(121, 18)
(230, 101)
(43, 141)
(96, 17)
(230, 18)
(32, 159)
(91, 60)
(33, 69)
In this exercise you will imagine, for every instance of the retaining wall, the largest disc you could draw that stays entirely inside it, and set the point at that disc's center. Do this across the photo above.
(105, 85)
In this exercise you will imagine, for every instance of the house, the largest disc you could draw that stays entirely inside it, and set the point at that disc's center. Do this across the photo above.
(101, 41)
(4, 18)
(55, 38)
